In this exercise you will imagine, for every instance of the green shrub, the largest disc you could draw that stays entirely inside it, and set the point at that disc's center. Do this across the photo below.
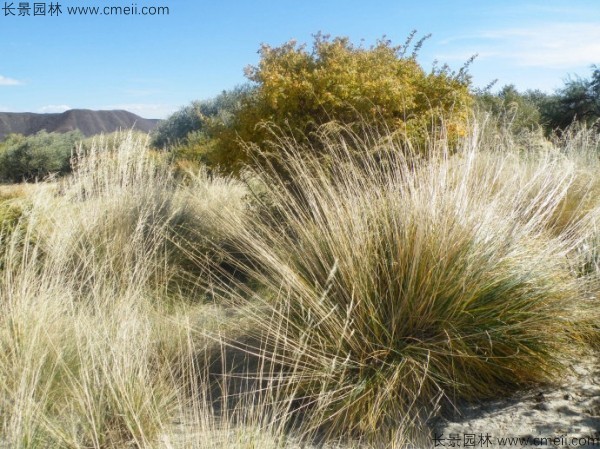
(110, 140)
(200, 118)
(515, 110)
(176, 128)
(298, 90)
(37, 156)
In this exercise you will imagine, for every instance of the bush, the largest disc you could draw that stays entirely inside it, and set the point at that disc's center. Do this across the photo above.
(299, 90)
(175, 128)
(515, 110)
(200, 118)
(37, 156)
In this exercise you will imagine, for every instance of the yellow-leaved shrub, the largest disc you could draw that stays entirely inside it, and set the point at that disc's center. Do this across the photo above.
(380, 89)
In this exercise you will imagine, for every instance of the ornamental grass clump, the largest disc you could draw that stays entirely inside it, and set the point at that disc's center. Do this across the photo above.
(393, 287)
(122, 216)
(94, 319)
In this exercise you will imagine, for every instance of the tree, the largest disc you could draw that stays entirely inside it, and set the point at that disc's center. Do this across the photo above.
(578, 100)
(519, 111)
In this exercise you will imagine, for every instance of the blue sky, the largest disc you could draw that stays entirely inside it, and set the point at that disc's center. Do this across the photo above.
(152, 65)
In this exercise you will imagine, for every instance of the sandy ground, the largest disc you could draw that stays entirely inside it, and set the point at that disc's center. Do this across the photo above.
(562, 416)
(566, 416)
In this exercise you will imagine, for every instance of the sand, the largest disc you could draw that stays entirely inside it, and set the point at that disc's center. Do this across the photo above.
(567, 415)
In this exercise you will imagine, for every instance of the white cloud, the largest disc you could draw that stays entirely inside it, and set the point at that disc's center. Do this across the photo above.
(54, 108)
(550, 45)
(5, 81)
(146, 110)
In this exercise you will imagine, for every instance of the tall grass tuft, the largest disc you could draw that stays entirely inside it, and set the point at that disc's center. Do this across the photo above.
(90, 334)
(378, 290)
(392, 287)
(122, 217)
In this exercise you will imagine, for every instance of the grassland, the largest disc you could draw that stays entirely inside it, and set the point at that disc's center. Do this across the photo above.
(341, 305)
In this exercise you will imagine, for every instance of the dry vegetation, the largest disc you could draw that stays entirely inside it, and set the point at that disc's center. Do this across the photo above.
(138, 309)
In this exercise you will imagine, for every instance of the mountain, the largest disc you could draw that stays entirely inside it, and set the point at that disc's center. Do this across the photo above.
(87, 121)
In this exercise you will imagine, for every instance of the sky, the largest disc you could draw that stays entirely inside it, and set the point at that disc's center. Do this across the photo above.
(153, 65)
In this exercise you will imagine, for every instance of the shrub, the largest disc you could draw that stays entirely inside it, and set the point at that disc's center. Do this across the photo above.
(175, 128)
(34, 157)
(515, 110)
(200, 118)
(298, 90)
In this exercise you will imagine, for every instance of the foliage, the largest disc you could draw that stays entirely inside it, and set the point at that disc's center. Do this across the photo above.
(178, 125)
(578, 100)
(517, 111)
(198, 118)
(298, 90)
(35, 157)
(110, 140)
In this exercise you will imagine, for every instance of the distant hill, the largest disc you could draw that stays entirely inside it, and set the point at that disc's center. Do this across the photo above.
(87, 121)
